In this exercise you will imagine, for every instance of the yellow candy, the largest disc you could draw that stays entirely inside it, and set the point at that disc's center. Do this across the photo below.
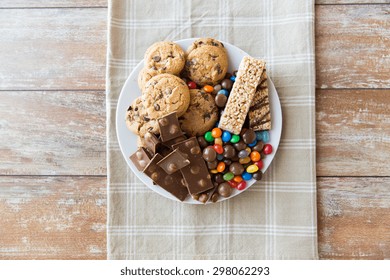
(252, 168)
(244, 160)
(248, 150)
(214, 171)
(218, 141)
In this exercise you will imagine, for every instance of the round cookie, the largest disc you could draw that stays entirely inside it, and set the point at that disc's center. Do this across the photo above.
(138, 121)
(165, 57)
(205, 42)
(201, 115)
(207, 65)
(164, 94)
(144, 76)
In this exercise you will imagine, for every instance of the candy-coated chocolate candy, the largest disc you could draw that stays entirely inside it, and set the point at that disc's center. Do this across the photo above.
(233, 183)
(191, 85)
(221, 166)
(241, 186)
(229, 151)
(224, 189)
(265, 136)
(244, 160)
(235, 138)
(248, 149)
(208, 136)
(243, 154)
(255, 156)
(218, 141)
(253, 143)
(228, 176)
(246, 176)
(220, 100)
(224, 92)
(260, 164)
(226, 136)
(248, 136)
(267, 149)
(209, 154)
(219, 157)
(259, 136)
(257, 175)
(236, 168)
(208, 89)
(227, 84)
(219, 178)
(214, 171)
(237, 179)
(233, 78)
(252, 168)
(258, 147)
(216, 132)
(240, 145)
(218, 149)
(227, 161)
(217, 88)
(212, 164)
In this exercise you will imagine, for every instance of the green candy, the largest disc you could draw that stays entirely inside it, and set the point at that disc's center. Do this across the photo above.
(235, 138)
(208, 136)
(228, 176)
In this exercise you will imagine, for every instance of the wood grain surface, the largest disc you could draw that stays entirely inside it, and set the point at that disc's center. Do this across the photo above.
(52, 122)
(52, 133)
(52, 217)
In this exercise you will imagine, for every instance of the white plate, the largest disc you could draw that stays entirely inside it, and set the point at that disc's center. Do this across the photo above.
(128, 140)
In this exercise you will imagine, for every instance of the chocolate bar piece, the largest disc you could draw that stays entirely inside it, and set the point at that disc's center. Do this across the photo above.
(140, 158)
(173, 162)
(242, 94)
(195, 174)
(259, 112)
(173, 183)
(169, 127)
(175, 140)
(152, 143)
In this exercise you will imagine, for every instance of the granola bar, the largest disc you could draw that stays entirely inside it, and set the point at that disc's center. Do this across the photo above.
(259, 112)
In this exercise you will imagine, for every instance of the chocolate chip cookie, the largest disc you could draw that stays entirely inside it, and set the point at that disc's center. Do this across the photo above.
(207, 65)
(201, 115)
(164, 94)
(165, 57)
(138, 121)
(144, 76)
(205, 42)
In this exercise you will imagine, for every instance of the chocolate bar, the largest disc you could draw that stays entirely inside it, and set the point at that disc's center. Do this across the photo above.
(173, 183)
(242, 94)
(173, 162)
(140, 158)
(196, 173)
(259, 112)
(151, 142)
(169, 127)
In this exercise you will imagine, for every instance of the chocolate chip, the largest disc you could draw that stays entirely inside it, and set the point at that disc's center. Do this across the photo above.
(146, 119)
(157, 58)
(130, 108)
(156, 107)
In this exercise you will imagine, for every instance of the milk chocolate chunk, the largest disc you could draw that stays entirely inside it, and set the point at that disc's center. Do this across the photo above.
(152, 143)
(140, 158)
(196, 174)
(175, 141)
(173, 162)
(169, 127)
(173, 183)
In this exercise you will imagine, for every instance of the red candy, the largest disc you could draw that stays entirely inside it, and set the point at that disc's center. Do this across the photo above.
(259, 164)
(191, 85)
(218, 149)
(267, 149)
(233, 183)
(241, 186)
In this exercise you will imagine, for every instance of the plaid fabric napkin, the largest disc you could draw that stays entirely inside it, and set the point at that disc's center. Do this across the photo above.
(274, 219)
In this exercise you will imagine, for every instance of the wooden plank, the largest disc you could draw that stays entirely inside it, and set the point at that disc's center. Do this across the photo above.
(52, 133)
(52, 48)
(52, 3)
(353, 132)
(346, 2)
(352, 43)
(353, 217)
(52, 217)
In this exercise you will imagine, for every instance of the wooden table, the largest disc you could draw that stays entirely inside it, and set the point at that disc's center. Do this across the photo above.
(52, 129)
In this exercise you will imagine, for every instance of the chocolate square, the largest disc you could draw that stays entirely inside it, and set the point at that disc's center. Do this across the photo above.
(173, 162)
(169, 127)
(140, 158)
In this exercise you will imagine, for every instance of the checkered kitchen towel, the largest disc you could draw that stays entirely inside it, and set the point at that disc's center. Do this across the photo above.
(276, 218)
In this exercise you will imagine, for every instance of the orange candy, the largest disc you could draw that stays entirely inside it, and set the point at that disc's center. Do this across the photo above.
(255, 156)
(216, 132)
(221, 167)
(208, 89)
(237, 179)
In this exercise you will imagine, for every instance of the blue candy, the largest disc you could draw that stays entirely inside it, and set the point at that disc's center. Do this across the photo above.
(246, 176)
(216, 124)
(226, 136)
(253, 143)
(233, 78)
(223, 91)
(259, 136)
(219, 157)
(265, 136)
